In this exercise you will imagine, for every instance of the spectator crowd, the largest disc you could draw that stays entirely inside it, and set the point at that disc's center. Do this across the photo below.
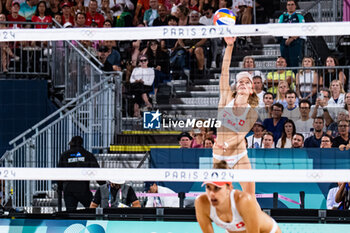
(158, 56)
(297, 108)
(291, 122)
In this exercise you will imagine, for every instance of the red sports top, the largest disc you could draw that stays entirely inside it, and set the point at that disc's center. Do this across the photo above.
(45, 19)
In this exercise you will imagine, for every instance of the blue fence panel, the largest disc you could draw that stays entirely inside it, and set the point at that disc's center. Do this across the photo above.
(307, 158)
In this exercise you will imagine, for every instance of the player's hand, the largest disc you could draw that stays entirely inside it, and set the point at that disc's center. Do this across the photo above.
(230, 40)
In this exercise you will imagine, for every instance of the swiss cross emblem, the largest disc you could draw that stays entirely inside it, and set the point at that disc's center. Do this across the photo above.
(240, 225)
(241, 122)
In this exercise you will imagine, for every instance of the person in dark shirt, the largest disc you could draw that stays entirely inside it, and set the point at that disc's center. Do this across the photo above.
(76, 191)
(275, 124)
(315, 140)
(193, 48)
(169, 45)
(115, 194)
(103, 53)
(291, 47)
(113, 57)
(342, 141)
(162, 19)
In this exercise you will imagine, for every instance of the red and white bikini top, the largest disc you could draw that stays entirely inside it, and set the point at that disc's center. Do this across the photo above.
(236, 224)
(230, 120)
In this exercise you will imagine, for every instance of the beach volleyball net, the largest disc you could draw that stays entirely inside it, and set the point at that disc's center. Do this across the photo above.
(35, 188)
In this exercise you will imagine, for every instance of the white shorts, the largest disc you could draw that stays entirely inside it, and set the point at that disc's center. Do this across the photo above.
(231, 160)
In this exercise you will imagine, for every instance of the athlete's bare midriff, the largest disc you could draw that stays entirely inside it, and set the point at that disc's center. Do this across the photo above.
(235, 142)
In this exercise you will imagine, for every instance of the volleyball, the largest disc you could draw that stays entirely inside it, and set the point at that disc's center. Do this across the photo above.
(224, 17)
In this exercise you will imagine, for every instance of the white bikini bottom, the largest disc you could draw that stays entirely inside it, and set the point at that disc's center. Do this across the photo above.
(231, 160)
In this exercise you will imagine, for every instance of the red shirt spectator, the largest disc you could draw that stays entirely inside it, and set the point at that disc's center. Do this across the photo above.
(70, 19)
(38, 19)
(14, 16)
(98, 18)
(40, 16)
(93, 16)
(144, 5)
(67, 13)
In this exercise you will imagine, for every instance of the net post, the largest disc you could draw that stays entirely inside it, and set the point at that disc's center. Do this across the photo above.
(99, 211)
(181, 196)
(59, 200)
(159, 213)
(302, 199)
(322, 214)
(275, 200)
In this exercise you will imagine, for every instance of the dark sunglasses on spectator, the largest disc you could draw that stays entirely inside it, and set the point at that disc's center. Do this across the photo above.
(143, 60)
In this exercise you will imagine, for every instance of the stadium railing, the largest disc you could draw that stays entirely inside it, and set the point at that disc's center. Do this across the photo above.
(73, 67)
(30, 58)
(91, 115)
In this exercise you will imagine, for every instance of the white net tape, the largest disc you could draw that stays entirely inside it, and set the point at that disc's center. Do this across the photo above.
(182, 175)
(191, 32)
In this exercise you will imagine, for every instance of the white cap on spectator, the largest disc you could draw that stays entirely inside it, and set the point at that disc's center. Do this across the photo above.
(194, 12)
(67, 25)
(117, 181)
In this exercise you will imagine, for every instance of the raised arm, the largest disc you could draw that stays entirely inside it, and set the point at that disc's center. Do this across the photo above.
(340, 194)
(225, 88)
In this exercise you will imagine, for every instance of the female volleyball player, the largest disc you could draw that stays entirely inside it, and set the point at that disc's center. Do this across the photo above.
(237, 115)
(231, 209)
